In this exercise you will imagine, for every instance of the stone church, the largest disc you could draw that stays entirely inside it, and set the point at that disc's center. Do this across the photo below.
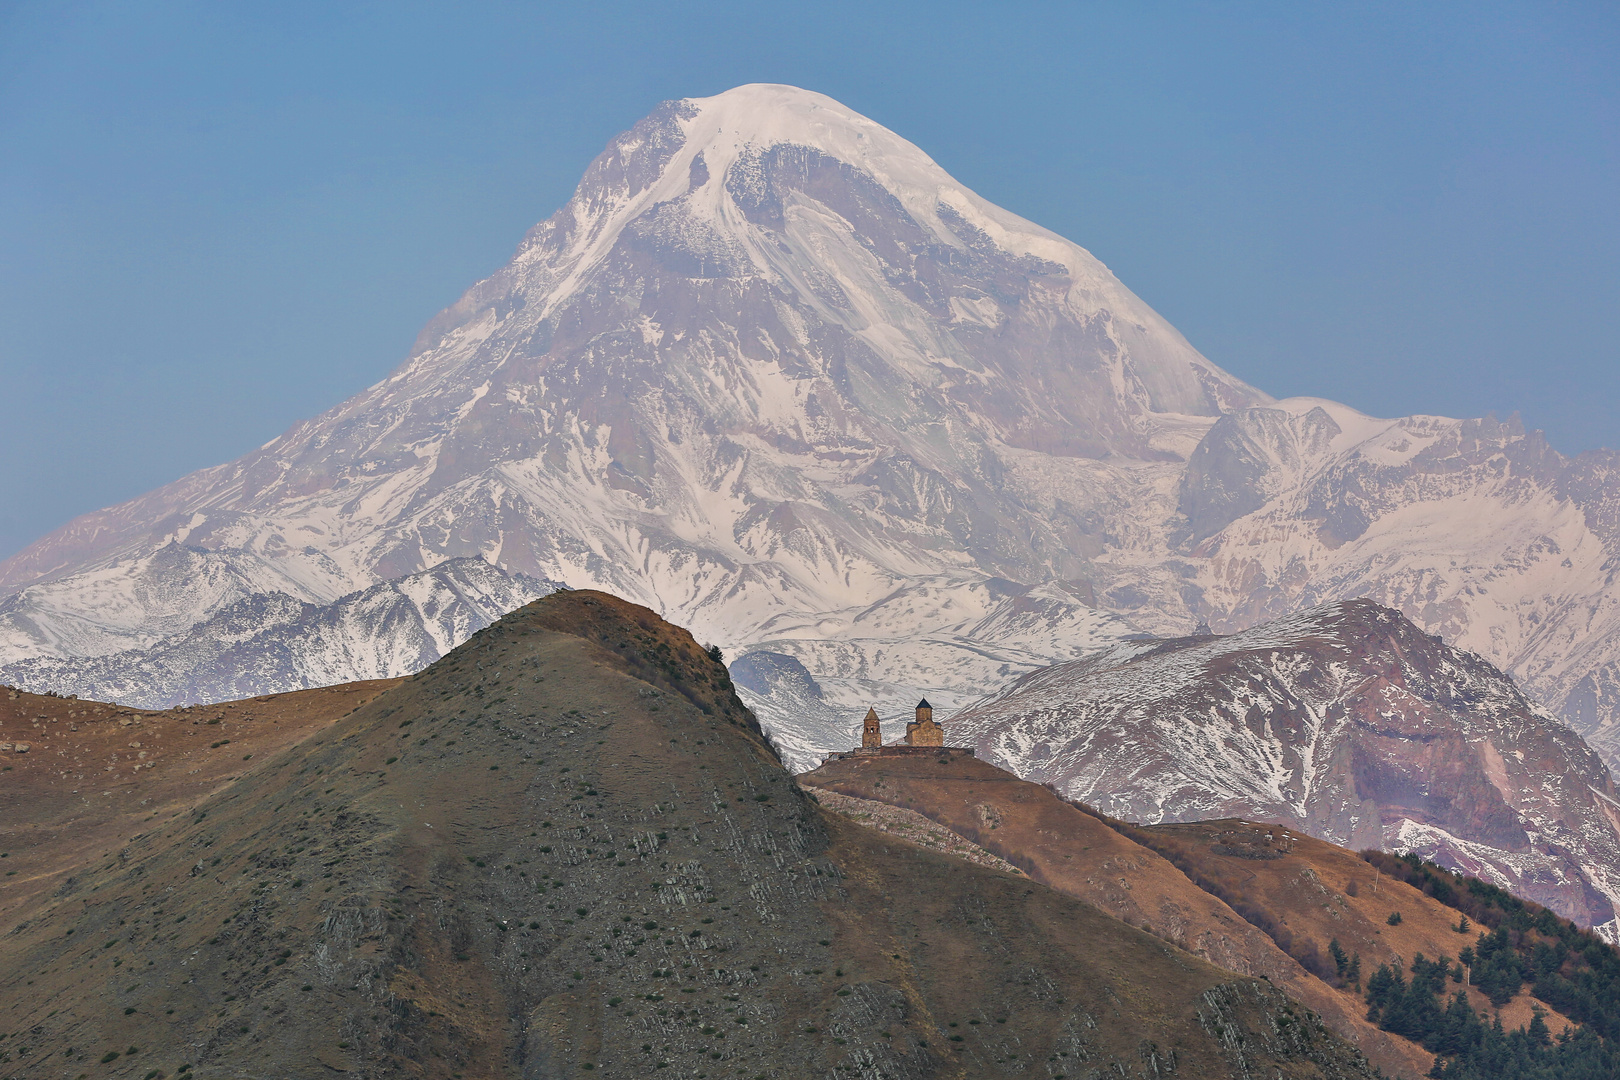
(923, 733)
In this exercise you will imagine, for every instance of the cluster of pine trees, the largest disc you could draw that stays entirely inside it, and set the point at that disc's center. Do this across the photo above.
(1468, 1047)
(1571, 969)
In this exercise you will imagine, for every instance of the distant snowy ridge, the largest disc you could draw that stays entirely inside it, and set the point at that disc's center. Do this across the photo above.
(270, 642)
(1475, 529)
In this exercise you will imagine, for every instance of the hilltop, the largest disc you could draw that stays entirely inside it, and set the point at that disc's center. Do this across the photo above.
(566, 849)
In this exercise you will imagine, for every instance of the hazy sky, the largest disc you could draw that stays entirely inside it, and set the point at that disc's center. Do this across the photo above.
(218, 219)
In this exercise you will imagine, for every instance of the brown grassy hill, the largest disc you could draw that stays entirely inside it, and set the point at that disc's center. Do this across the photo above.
(565, 851)
(1318, 893)
(94, 775)
(1295, 886)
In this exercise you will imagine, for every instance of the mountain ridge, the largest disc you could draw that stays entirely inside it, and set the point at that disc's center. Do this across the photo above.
(272, 642)
(1344, 721)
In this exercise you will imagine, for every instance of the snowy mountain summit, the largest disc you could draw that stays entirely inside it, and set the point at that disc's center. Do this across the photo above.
(774, 373)
(770, 368)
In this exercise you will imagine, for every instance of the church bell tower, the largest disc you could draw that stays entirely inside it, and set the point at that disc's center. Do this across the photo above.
(871, 731)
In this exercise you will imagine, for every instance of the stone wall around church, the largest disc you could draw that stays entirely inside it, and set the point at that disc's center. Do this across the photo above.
(901, 750)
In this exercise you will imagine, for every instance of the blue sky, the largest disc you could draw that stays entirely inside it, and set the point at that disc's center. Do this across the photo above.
(218, 219)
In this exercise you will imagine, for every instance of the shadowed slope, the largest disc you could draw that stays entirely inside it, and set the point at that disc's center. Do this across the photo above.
(528, 861)
(95, 775)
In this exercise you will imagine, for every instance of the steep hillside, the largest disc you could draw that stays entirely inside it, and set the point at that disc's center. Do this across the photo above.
(565, 850)
(1442, 979)
(1328, 925)
(1346, 723)
(1075, 852)
(1308, 894)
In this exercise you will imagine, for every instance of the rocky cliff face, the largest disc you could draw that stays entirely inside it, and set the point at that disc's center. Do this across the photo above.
(1346, 722)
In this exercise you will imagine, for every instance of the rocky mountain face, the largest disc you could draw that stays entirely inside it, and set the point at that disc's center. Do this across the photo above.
(1476, 530)
(265, 643)
(563, 850)
(1346, 722)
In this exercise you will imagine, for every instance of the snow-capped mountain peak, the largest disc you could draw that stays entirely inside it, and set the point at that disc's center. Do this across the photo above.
(704, 153)
(774, 373)
(769, 365)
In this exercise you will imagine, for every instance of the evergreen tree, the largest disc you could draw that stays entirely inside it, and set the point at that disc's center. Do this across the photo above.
(1537, 1031)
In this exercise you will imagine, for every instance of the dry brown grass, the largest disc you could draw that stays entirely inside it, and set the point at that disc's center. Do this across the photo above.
(549, 851)
(1319, 892)
(97, 774)
(1295, 887)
